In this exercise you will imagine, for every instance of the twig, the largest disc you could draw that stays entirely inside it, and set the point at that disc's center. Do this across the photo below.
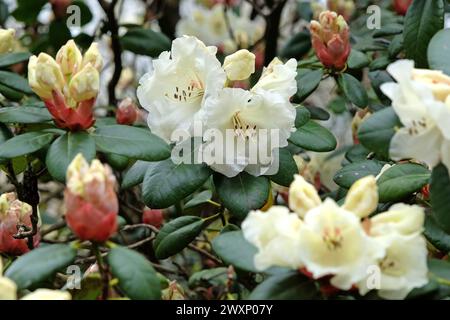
(116, 47)
(54, 227)
(103, 271)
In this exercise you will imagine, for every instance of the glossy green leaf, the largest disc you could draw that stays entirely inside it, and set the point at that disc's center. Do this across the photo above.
(40, 264)
(242, 193)
(137, 278)
(64, 149)
(297, 46)
(135, 175)
(357, 60)
(286, 169)
(14, 81)
(438, 237)
(234, 249)
(347, 175)
(24, 115)
(307, 81)
(440, 195)
(312, 136)
(176, 235)
(25, 144)
(422, 21)
(439, 51)
(353, 90)
(145, 42)
(302, 116)
(132, 142)
(166, 183)
(9, 59)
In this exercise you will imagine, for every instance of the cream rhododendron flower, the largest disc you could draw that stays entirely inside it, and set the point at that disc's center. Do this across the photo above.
(47, 294)
(404, 267)
(178, 86)
(261, 122)
(275, 233)
(421, 101)
(239, 65)
(333, 241)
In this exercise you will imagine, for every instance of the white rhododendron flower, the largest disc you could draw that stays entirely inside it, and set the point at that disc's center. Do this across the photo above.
(178, 86)
(275, 233)
(362, 198)
(239, 65)
(302, 196)
(333, 241)
(47, 294)
(421, 100)
(8, 289)
(248, 122)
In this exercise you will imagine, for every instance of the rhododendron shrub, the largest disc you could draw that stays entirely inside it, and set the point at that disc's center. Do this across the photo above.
(224, 150)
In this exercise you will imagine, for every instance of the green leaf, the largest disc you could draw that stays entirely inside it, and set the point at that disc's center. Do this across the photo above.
(58, 33)
(396, 46)
(440, 195)
(132, 142)
(64, 149)
(377, 78)
(176, 235)
(318, 113)
(10, 94)
(287, 169)
(200, 198)
(242, 193)
(286, 286)
(27, 11)
(422, 21)
(439, 51)
(5, 134)
(357, 153)
(380, 63)
(24, 115)
(14, 81)
(357, 60)
(307, 81)
(213, 277)
(117, 161)
(338, 105)
(145, 41)
(297, 46)
(438, 237)
(166, 183)
(312, 136)
(347, 175)
(439, 270)
(388, 30)
(4, 12)
(301, 117)
(135, 175)
(40, 264)
(375, 133)
(401, 180)
(353, 90)
(234, 249)
(137, 278)
(25, 144)
(9, 59)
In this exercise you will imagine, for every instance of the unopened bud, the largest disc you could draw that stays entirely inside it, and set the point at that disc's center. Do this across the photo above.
(402, 218)
(45, 76)
(127, 112)
(85, 84)
(302, 196)
(93, 56)
(362, 198)
(6, 40)
(69, 58)
(239, 65)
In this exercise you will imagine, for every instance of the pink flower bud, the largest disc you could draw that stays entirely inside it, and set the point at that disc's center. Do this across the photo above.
(90, 199)
(330, 39)
(13, 213)
(154, 217)
(127, 112)
(401, 6)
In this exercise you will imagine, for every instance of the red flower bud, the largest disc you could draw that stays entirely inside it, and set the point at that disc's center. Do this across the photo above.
(330, 39)
(59, 7)
(91, 201)
(127, 112)
(401, 6)
(13, 213)
(154, 217)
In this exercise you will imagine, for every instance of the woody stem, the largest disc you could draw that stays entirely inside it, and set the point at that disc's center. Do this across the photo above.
(102, 269)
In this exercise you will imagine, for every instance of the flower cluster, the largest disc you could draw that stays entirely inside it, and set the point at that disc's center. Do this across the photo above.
(91, 200)
(189, 85)
(68, 85)
(331, 40)
(421, 99)
(14, 212)
(6, 40)
(212, 25)
(386, 252)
